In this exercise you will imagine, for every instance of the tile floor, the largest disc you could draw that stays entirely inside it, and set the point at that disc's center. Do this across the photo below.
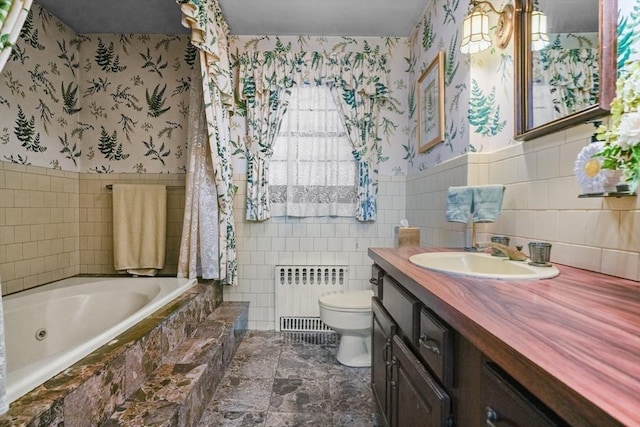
(291, 379)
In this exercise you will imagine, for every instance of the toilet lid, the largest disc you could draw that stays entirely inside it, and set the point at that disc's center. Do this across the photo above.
(355, 300)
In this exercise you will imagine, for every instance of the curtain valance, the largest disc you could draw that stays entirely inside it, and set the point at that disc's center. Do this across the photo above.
(209, 31)
(363, 72)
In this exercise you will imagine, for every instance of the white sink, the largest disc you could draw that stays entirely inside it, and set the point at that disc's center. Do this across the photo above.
(482, 265)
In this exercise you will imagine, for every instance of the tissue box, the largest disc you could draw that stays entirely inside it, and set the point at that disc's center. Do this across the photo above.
(407, 236)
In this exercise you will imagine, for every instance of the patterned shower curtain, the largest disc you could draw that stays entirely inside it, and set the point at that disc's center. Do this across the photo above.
(359, 83)
(12, 16)
(209, 34)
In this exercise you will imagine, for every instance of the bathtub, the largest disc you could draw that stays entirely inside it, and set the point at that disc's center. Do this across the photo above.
(49, 328)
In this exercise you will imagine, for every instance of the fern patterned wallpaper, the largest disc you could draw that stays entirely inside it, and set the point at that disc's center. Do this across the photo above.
(104, 103)
(118, 103)
(479, 88)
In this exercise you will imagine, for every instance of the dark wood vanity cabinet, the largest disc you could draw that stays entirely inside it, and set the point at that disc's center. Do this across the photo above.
(407, 393)
(424, 373)
(384, 328)
(506, 403)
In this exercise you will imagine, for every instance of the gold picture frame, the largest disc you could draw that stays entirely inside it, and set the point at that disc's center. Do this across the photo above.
(431, 105)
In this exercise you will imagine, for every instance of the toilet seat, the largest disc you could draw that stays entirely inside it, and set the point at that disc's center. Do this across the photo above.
(352, 301)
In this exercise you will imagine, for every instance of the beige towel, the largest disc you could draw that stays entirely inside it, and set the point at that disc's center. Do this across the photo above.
(139, 228)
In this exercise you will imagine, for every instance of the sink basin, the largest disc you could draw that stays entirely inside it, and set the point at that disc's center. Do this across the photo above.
(481, 265)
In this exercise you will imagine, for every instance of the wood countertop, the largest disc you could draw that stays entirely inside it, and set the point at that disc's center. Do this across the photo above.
(573, 341)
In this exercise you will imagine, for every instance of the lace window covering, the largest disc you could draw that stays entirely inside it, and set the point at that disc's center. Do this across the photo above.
(312, 171)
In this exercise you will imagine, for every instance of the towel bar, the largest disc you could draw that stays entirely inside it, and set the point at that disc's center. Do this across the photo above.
(110, 186)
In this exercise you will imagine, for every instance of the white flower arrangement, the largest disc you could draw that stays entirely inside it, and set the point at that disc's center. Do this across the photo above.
(622, 138)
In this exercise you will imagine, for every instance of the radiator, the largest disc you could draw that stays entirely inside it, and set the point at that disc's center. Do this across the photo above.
(297, 288)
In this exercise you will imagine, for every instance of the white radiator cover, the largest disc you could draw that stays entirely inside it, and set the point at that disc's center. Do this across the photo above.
(297, 288)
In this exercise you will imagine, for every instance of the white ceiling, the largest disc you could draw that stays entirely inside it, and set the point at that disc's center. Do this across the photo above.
(245, 17)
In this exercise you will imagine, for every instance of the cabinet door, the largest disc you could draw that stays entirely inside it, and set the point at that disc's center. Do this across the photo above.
(382, 332)
(417, 399)
(507, 403)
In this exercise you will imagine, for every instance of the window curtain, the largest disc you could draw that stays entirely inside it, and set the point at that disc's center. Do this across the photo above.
(359, 93)
(209, 34)
(266, 89)
(572, 75)
(359, 82)
(13, 13)
(312, 171)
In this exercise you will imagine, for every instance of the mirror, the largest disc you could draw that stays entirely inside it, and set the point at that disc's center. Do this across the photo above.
(570, 78)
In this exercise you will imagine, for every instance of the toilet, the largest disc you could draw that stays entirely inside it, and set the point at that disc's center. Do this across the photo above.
(349, 314)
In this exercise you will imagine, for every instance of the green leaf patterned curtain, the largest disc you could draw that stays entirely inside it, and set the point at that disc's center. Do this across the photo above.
(359, 83)
(265, 89)
(572, 75)
(12, 16)
(209, 34)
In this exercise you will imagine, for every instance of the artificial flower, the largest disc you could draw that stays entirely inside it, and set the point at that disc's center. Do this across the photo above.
(622, 138)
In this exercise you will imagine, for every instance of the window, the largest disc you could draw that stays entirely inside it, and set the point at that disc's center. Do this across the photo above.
(312, 171)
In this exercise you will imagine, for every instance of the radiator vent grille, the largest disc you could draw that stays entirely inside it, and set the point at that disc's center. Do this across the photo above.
(297, 288)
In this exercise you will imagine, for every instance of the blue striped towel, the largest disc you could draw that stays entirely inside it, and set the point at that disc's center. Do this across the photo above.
(459, 203)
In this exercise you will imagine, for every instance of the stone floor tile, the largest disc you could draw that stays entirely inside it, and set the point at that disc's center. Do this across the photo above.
(309, 396)
(232, 419)
(242, 395)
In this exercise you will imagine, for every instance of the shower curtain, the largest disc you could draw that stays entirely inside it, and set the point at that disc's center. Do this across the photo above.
(199, 245)
(12, 16)
(209, 33)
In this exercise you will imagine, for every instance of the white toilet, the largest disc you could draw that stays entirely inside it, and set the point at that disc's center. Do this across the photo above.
(349, 314)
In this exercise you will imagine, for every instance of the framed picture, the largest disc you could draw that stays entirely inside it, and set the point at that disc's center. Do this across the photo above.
(431, 105)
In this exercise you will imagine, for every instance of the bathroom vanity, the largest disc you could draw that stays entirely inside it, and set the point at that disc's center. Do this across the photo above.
(455, 350)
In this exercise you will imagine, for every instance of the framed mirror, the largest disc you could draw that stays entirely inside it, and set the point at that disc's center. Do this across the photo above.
(565, 74)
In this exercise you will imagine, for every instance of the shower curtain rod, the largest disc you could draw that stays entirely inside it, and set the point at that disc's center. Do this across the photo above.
(110, 186)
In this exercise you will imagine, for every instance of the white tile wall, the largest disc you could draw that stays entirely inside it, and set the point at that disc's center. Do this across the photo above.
(541, 203)
(261, 246)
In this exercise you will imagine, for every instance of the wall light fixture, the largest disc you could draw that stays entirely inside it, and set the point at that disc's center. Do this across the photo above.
(539, 37)
(475, 28)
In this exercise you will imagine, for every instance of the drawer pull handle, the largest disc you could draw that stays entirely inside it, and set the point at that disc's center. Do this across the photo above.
(433, 348)
(385, 352)
(491, 416)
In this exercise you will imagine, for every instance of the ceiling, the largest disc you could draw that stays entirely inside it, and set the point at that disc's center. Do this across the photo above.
(245, 17)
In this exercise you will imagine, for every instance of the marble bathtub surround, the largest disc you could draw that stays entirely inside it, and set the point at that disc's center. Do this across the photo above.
(87, 392)
(279, 379)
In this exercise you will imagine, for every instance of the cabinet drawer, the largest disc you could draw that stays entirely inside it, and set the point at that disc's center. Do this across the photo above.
(435, 344)
(376, 280)
(402, 306)
(507, 403)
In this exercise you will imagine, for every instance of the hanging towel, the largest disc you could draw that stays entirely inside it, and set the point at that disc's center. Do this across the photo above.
(139, 228)
(487, 202)
(459, 203)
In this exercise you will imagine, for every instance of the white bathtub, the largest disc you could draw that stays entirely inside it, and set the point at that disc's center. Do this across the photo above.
(49, 328)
